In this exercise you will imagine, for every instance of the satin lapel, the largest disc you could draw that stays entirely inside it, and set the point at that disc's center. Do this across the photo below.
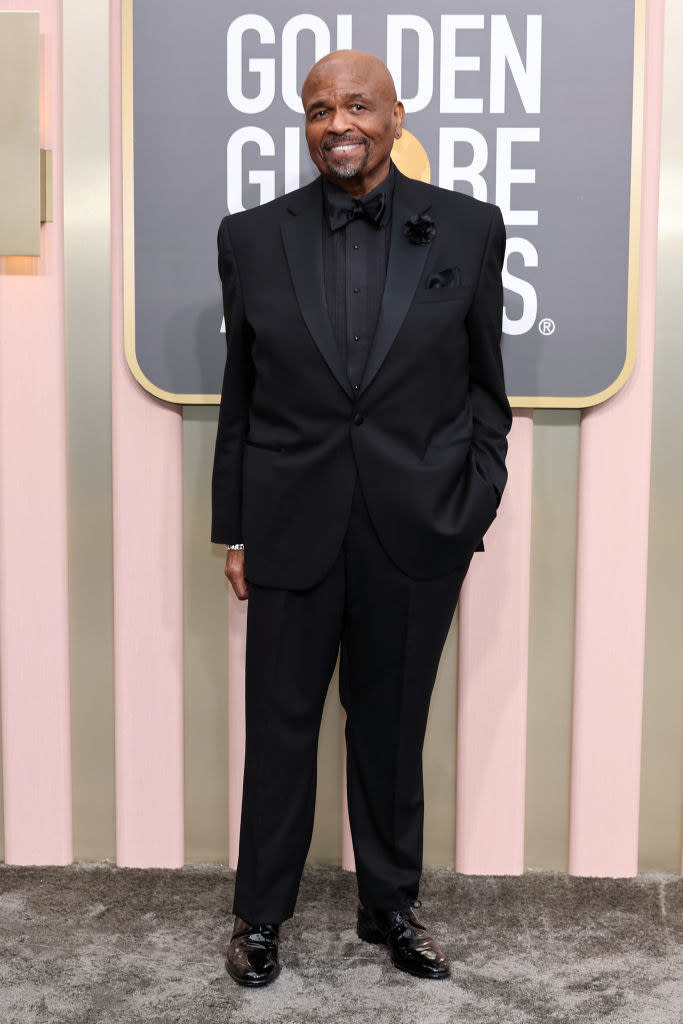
(406, 263)
(303, 240)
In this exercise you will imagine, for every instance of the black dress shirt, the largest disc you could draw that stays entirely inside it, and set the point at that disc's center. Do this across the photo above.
(355, 267)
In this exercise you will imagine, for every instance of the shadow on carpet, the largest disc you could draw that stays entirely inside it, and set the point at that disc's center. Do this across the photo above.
(96, 944)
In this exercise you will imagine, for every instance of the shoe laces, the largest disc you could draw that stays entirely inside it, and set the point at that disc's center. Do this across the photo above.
(407, 917)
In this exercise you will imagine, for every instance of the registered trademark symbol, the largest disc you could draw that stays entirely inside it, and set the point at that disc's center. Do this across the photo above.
(546, 326)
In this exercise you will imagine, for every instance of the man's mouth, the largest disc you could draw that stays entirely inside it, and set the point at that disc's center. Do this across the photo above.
(342, 148)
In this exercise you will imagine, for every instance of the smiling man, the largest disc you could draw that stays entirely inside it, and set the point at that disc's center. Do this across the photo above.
(360, 458)
(352, 118)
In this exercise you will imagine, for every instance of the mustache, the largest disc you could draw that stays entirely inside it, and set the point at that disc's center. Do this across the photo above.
(344, 141)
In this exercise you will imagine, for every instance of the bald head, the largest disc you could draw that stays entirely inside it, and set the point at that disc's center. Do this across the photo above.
(352, 118)
(363, 65)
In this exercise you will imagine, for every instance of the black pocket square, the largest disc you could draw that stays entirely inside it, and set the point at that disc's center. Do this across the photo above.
(448, 278)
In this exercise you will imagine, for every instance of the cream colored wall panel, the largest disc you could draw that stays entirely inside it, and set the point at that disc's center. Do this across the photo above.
(206, 657)
(439, 759)
(551, 638)
(19, 133)
(87, 262)
(327, 828)
(661, 793)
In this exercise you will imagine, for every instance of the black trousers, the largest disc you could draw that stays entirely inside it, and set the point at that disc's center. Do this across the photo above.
(392, 630)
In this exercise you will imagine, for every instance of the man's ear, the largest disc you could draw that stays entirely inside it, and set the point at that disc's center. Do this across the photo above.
(399, 114)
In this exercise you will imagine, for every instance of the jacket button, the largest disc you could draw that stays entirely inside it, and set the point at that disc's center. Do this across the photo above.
(358, 419)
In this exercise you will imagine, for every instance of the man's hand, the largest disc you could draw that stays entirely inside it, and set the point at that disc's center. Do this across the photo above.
(234, 570)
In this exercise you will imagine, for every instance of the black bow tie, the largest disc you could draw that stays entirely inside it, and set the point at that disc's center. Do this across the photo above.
(342, 208)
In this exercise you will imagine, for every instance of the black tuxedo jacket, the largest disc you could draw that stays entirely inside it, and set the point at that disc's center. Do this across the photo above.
(426, 431)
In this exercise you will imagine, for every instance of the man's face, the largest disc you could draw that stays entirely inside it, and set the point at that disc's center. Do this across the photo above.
(352, 119)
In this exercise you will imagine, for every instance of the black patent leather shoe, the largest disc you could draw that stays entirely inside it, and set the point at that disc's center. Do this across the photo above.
(252, 954)
(411, 946)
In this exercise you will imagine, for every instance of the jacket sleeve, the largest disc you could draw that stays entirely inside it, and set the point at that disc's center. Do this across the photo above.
(233, 417)
(492, 417)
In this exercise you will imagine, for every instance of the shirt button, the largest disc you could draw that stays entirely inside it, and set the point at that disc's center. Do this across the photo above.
(358, 419)
(355, 387)
(356, 290)
(355, 337)
(355, 245)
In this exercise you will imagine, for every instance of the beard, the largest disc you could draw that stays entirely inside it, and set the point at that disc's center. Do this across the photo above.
(343, 166)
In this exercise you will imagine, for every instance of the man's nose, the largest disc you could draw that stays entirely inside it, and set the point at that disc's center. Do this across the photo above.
(339, 121)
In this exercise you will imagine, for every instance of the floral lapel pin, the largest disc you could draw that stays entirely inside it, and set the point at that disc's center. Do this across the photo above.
(419, 229)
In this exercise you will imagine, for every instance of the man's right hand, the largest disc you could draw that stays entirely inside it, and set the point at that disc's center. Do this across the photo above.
(234, 570)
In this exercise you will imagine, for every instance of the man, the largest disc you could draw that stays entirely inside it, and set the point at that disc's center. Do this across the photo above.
(360, 458)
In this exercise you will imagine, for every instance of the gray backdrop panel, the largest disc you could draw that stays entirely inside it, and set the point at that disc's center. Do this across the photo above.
(184, 119)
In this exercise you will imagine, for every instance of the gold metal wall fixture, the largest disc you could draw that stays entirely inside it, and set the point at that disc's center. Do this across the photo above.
(86, 163)
(45, 185)
(25, 169)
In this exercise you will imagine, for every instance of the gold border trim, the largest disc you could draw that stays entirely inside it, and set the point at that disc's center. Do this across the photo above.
(128, 169)
(516, 401)
(637, 127)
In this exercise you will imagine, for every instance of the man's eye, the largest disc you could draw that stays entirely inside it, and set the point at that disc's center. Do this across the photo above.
(358, 106)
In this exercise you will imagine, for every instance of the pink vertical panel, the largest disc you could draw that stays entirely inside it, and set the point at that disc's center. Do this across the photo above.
(492, 680)
(148, 613)
(34, 657)
(614, 480)
(237, 646)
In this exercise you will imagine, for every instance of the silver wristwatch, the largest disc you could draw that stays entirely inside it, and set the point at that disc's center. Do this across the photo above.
(235, 547)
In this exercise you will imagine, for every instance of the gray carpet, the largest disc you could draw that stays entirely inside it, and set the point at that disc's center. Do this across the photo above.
(99, 944)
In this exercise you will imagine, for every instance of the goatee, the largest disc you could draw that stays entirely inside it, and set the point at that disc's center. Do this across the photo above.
(345, 170)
